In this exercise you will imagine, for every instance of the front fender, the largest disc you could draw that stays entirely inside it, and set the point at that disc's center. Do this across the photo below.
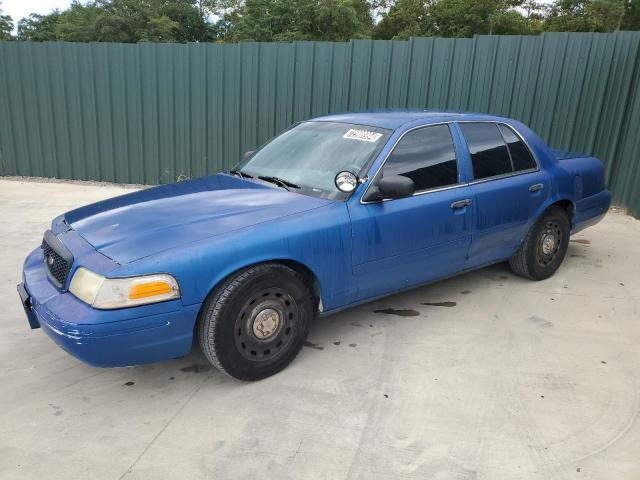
(319, 239)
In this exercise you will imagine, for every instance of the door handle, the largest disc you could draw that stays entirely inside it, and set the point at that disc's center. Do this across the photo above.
(461, 203)
(536, 187)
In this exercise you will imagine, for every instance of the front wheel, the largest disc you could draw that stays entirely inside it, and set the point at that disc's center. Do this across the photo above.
(255, 324)
(545, 246)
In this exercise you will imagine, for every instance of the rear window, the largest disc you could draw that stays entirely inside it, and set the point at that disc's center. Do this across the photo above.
(489, 154)
(520, 154)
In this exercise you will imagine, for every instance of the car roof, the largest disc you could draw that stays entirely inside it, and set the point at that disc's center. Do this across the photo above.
(394, 119)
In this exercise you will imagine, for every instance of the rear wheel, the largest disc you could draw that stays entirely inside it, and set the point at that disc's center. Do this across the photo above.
(254, 324)
(545, 246)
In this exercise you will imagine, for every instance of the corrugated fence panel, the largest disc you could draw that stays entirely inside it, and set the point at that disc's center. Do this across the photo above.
(156, 113)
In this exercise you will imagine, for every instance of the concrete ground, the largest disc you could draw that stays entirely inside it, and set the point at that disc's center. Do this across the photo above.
(484, 376)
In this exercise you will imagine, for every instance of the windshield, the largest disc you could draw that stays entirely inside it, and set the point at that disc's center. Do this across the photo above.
(309, 156)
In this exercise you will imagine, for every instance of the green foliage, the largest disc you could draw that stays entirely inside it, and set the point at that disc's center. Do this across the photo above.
(459, 18)
(631, 20)
(406, 18)
(6, 26)
(38, 28)
(288, 20)
(585, 16)
(127, 21)
(465, 18)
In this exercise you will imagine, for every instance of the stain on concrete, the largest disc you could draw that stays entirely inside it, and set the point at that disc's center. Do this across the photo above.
(196, 368)
(465, 292)
(128, 384)
(313, 345)
(386, 396)
(400, 312)
(56, 409)
(440, 304)
(504, 277)
(577, 255)
(356, 324)
(353, 345)
(603, 362)
(541, 322)
(621, 284)
(172, 378)
(581, 241)
(336, 343)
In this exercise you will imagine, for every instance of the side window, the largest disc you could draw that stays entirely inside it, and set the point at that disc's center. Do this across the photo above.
(520, 154)
(426, 156)
(489, 154)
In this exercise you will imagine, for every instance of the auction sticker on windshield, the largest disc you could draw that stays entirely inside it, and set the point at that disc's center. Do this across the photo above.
(362, 135)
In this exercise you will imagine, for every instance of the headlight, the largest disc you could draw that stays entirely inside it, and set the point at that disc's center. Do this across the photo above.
(108, 293)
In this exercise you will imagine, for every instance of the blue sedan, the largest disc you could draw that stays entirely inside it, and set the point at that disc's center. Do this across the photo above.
(333, 212)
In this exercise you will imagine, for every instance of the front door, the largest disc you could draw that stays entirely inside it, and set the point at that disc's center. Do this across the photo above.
(404, 242)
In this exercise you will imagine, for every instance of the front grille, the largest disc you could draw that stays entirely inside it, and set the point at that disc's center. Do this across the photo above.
(57, 260)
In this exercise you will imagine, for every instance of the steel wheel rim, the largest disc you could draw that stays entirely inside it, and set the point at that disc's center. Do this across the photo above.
(549, 243)
(266, 325)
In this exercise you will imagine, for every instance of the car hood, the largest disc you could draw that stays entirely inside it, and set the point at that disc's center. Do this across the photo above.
(146, 222)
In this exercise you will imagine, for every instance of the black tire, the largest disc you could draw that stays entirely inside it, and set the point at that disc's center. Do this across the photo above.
(255, 323)
(544, 247)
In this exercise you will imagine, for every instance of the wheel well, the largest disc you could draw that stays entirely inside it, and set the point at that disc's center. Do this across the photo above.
(309, 277)
(567, 206)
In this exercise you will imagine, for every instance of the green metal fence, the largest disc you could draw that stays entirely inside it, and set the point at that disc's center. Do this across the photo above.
(153, 113)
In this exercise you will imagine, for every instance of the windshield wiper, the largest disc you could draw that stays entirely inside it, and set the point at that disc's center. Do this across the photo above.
(280, 182)
(240, 174)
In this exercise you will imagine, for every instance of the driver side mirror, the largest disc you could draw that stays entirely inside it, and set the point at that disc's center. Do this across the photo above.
(392, 187)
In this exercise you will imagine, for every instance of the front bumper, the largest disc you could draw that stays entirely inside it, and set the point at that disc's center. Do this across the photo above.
(113, 338)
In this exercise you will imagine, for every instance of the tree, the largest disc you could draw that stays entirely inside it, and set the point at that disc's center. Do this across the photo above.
(405, 18)
(585, 16)
(631, 20)
(288, 20)
(465, 18)
(78, 23)
(126, 21)
(189, 21)
(6, 26)
(457, 18)
(39, 28)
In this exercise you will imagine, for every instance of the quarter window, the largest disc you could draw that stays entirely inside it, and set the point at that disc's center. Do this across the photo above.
(520, 154)
(489, 154)
(426, 156)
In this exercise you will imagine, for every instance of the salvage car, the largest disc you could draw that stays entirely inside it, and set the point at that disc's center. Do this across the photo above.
(333, 212)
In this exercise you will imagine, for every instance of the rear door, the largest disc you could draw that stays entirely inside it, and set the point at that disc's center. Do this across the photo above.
(508, 189)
